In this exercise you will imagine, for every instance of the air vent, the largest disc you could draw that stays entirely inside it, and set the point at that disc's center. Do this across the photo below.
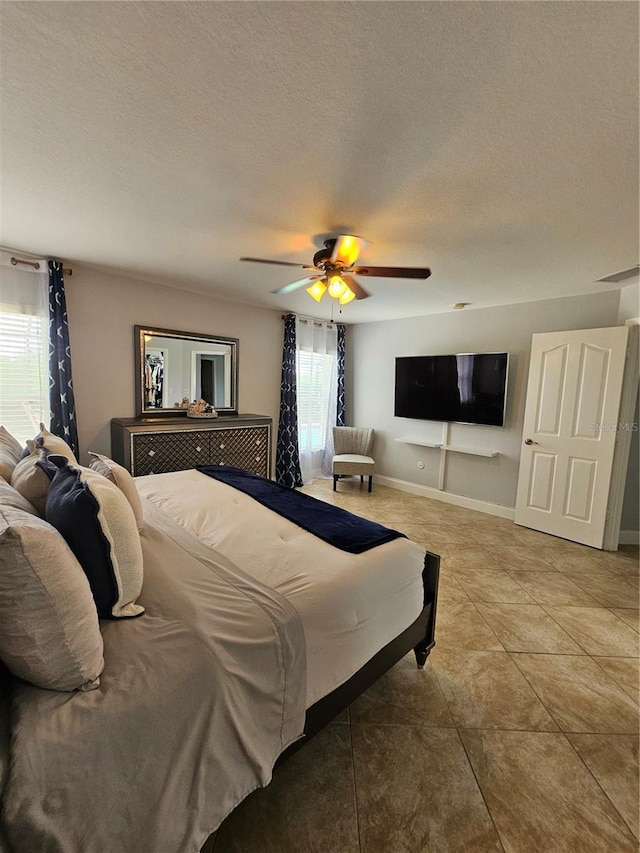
(623, 275)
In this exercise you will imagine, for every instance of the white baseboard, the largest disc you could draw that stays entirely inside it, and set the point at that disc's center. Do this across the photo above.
(626, 537)
(629, 537)
(446, 497)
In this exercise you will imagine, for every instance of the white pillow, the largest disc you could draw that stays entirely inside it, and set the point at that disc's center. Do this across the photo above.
(99, 526)
(54, 444)
(49, 630)
(10, 453)
(123, 480)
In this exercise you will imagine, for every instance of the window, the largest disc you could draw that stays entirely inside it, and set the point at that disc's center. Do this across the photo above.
(315, 373)
(316, 380)
(24, 352)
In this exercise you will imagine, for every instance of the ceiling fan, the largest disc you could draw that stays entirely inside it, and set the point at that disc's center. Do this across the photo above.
(333, 269)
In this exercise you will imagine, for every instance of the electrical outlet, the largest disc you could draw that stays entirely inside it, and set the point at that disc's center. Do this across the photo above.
(421, 464)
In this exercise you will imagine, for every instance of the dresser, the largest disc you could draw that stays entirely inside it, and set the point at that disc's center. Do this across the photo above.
(158, 445)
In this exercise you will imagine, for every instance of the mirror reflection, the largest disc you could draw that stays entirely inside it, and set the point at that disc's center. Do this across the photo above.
(177, 368)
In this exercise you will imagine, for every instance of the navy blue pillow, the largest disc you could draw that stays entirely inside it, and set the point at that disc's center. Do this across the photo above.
(50, 462)
(99, 526)
(73, 511)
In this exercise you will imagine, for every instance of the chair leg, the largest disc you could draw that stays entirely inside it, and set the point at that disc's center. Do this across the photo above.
(335, 480)
(370, 481)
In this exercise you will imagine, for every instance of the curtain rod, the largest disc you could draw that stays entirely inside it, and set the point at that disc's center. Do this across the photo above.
(36, 265)
(315, 322)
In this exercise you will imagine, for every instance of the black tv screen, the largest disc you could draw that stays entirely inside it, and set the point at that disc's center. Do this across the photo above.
(465, 388)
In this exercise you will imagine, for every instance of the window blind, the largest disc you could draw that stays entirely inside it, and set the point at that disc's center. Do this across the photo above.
(24, 349)
(315, 372)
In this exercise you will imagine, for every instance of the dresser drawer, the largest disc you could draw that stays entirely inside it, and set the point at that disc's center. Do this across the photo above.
(243, 447)
(157, 453)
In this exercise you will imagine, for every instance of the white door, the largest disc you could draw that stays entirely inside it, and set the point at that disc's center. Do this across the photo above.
(570, 425)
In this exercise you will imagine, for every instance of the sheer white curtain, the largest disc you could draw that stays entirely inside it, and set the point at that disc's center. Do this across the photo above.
(316, 366)
(24, 348)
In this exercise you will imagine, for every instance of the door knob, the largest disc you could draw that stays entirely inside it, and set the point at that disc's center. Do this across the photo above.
(530, 441)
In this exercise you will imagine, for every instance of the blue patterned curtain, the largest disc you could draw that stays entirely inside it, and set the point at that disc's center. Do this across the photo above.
(61, 399)
(287, 455)
(341, 356)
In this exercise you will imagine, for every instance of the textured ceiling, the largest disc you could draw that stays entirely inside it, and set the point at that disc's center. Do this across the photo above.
(496, 143)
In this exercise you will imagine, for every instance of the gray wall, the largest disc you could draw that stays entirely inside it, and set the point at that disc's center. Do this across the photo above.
(374, 347)
(629, 309)
(631, 506)
(103, 310)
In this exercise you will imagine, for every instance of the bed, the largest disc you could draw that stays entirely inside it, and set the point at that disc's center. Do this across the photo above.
(256, 633)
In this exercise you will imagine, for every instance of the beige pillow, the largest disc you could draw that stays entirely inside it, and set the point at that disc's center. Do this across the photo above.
(10, 453)
(12, 498)
(54, 444)
(123, 480)
(31, 481)
(49, 630)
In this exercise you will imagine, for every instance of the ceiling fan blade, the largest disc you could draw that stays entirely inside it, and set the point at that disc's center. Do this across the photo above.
(279, 263)
(294, 285)
(359, 291)
(347, 249)
(393, 272)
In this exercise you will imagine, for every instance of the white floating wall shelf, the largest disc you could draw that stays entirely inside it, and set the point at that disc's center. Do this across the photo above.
(453, 448)
(444, 447)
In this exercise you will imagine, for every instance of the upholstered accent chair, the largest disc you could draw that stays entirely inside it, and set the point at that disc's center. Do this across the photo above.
(352, 446)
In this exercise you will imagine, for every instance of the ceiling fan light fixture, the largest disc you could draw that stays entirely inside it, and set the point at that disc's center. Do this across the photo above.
(347, 296)
(317, 290)
(337, 286)
(348, 249)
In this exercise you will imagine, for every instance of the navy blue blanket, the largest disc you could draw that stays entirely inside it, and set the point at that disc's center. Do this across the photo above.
(336, 526)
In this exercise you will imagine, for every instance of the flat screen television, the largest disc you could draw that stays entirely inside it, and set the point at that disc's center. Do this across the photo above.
(465, 388)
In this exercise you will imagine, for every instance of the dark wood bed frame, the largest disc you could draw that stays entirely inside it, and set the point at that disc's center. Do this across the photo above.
(419, 637)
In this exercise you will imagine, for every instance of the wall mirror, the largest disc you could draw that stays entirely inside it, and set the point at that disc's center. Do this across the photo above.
(172, 366)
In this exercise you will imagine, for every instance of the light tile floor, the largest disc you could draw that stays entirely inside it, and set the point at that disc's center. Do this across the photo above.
(521, 733)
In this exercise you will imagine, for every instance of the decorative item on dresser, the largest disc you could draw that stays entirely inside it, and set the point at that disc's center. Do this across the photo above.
(159, 445)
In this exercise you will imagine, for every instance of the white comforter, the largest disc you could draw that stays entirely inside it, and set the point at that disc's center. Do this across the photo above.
(350, 605)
